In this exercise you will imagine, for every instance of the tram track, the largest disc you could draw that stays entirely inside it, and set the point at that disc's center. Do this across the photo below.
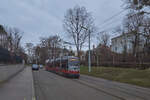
(37, 84)
(84, 82)
(90, 86)
(96, 87)
(101, 82)
(129, 89)
(112, 91)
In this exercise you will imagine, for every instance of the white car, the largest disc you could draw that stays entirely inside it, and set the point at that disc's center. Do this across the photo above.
(35, 67)
(41, 66)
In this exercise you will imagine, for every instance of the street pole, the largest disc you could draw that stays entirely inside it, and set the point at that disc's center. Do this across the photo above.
(89, 62)
(89, 58)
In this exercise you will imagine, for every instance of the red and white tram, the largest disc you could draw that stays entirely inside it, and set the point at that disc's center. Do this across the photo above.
(67, 66)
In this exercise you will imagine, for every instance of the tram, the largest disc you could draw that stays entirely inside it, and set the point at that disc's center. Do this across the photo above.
(67, 66)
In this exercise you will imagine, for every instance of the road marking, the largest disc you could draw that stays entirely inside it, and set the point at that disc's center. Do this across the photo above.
(33, 88)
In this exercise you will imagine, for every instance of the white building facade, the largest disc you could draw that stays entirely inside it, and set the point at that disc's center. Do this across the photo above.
(124, 42)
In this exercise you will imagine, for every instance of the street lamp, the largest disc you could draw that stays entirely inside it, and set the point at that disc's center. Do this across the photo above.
(89, 55)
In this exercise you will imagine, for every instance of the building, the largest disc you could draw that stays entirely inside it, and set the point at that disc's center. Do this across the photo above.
(124, 43)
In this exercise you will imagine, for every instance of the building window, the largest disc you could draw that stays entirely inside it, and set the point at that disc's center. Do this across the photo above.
(115, 48)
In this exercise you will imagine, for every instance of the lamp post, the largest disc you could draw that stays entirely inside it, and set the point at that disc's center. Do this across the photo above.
(89, 52)
(89, 55)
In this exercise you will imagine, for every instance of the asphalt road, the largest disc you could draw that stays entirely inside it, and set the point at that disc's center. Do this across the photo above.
(49, 86)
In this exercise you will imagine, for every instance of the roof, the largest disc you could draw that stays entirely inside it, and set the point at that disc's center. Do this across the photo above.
(121, 35)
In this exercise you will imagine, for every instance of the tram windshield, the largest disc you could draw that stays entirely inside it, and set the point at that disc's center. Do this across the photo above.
(73, 64)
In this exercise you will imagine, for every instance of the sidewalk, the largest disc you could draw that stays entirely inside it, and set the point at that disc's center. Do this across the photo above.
(8, 71)
(19, 87)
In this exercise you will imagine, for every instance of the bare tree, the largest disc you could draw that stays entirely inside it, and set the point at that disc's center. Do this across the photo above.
(138, 5)
(3, 37)
(104, 38)
(133, 24)
(14, 37)
(29, 47)
(55, 43)
(74, 21)
(49, 47)
(17, 38)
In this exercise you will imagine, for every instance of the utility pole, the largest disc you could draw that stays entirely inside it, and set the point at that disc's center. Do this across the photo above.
(89, 52)
(89, 56)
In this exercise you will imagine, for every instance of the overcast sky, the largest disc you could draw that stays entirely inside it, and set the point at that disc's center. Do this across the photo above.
(44, 17)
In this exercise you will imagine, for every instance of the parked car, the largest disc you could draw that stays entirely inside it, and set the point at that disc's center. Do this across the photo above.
(35, 67)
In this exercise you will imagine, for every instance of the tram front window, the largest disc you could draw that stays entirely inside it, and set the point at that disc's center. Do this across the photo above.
(74, 65)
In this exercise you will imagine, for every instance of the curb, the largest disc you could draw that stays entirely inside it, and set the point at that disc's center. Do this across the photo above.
(11, 76)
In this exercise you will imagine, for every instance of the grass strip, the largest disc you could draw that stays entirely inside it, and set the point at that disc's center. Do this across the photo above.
(124, 75)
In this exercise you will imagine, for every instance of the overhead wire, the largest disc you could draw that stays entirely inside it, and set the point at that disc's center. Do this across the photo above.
(110, 18)
(107, 21)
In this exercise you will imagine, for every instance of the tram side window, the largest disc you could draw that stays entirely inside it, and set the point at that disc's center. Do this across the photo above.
(57, 64)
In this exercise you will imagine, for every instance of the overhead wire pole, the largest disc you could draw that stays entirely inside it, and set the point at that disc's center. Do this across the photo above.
(89, 52)
(89, 57)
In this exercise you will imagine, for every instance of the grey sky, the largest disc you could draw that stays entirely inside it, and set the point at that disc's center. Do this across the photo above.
(44, 17)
